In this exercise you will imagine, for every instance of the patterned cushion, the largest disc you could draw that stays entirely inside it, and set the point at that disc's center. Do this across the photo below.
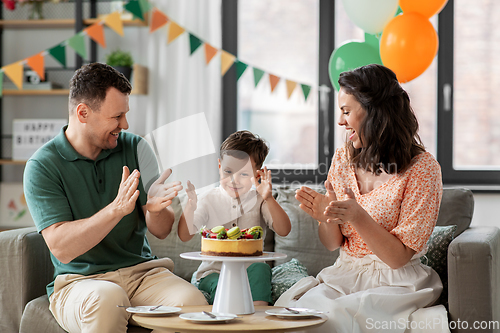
(286, 275)
(437, 253)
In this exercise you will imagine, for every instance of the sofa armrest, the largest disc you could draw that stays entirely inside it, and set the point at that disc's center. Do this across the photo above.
(474, 278)
(26, 270)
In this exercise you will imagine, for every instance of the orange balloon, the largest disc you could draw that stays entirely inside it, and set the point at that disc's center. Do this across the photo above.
(408, 45)
(427, 8)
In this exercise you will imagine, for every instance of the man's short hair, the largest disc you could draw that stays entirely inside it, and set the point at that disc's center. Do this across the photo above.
(91, 82)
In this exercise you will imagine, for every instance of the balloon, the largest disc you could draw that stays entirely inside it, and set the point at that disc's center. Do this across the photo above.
(351, 55)
(370, 15)
(408, 45)
(427, 8)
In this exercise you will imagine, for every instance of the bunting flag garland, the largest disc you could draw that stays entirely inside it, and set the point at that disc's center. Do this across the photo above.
(59, 53)
(226, 61)
(96, 32)
(273, 80)
(257, 75)
(240, 69)
(174, 31)
(305, 90)
(145, 6)
(194, 43)
(134, 7)
(37, 63)
(290, 87)
(114, 21)
(210, 53)
(77, 43)
(158, 20)
(15, 73)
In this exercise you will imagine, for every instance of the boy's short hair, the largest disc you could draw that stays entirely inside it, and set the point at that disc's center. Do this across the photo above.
(243, 143)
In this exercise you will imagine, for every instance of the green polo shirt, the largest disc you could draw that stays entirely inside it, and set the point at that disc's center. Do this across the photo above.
(62, 185)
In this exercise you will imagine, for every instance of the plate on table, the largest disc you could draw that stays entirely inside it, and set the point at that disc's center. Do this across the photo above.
(200, 317)
(302, 313)
(145, 310)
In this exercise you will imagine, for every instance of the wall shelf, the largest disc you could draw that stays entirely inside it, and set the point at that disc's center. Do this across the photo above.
(11, 162)
(36, 92)
(60, 23)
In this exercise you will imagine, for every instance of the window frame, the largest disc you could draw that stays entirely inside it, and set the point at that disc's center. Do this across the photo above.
(477, 180)
(474, 178)
(229, 92)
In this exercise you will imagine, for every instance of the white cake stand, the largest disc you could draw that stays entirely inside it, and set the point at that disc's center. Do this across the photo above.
(233, 293)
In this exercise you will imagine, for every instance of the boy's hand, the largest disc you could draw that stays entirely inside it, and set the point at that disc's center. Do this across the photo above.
(192, 203)
(265, 188)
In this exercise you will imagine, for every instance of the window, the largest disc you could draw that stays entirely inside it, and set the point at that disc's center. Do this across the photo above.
(282, 38)
(454, 99)
(469, 68)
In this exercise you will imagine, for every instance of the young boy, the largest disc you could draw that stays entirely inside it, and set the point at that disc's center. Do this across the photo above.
(235, 203)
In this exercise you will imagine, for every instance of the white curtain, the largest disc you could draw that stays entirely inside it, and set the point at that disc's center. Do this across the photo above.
(181, 85)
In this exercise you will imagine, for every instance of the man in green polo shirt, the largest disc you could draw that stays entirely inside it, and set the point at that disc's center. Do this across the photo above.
(90, 195)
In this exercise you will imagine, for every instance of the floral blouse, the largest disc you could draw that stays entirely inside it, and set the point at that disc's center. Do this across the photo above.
(407, 204)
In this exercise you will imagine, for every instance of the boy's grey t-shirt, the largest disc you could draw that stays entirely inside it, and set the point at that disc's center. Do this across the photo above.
(217, 207)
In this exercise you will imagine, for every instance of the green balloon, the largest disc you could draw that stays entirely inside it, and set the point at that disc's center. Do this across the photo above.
(349, 56)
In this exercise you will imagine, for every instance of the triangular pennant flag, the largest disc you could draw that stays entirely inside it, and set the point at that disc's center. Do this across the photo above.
(174, 31)
(306, 90)
(210, 52)
(226, 61)
(194, 43)
(114, 21)
(290, 87)
(15, 73)
(96, 32)
(134, 7)
(77, 42)
(37, 63)
(158, 20)
(1, 83)
(145, 6)
(257, 75)
(273, 80)
(59, 53)
(240, 69)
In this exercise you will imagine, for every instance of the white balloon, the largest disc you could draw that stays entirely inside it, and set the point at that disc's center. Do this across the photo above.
(371, 15)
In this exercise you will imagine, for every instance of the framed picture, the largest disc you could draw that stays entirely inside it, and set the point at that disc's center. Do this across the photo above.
(13, 208)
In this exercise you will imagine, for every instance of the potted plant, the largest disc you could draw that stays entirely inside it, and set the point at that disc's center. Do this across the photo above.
(122, 61)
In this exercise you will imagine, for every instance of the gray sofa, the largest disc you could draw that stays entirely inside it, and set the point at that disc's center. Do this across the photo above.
(473, 264)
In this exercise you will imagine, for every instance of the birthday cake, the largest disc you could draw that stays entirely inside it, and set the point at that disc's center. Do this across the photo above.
(233, 242)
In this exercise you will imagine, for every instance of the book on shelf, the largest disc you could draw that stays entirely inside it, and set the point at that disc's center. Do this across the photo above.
(47, 85)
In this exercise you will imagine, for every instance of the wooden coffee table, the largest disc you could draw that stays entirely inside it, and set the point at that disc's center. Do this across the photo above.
(258, 322)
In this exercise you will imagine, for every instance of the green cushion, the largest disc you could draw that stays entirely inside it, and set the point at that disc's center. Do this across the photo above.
(286, 275)
(437, 253)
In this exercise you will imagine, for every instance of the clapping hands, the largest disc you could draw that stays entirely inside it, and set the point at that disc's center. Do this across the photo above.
(160, 194)
(314, 203)
(264, 188)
